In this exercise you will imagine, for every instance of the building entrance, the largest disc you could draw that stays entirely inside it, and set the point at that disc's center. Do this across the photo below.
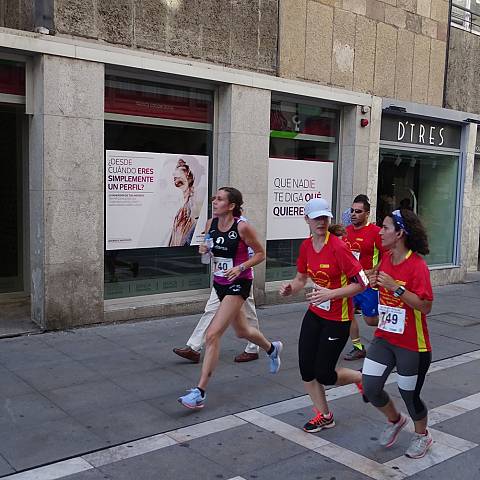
(11, 200)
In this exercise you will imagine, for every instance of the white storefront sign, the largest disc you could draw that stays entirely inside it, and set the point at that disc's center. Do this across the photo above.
(291, 183)
(155, 199)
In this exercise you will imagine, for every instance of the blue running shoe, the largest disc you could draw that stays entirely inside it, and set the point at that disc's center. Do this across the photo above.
(193, 399)
(275, 357)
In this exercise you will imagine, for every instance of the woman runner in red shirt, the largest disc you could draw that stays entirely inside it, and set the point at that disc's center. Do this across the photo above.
(401, 338)
(337, 275)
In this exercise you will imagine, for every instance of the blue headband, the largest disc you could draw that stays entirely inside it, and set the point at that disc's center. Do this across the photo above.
(399, 221)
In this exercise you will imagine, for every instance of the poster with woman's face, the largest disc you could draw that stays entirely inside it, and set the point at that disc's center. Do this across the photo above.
(155, 199)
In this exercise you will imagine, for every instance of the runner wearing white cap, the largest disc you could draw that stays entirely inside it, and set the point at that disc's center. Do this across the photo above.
(336, 275)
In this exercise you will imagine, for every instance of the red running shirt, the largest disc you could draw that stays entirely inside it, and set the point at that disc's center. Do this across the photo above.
(366, 242)
(414, 275)
(331, 268)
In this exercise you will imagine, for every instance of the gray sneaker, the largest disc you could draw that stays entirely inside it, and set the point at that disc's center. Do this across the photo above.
(390, 433)
(419, 445)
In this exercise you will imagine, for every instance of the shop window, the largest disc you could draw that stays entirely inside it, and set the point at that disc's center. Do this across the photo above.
(171, 125)
(426, 184)
(303, 161)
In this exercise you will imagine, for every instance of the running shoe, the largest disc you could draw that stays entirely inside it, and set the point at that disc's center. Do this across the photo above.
(275, 357)
(193, 399)
(390, 433)
(319, 422)
(419, 445)
(355, 354)
(359, 386)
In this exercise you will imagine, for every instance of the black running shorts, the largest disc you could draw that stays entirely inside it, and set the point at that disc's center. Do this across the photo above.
(240, 287)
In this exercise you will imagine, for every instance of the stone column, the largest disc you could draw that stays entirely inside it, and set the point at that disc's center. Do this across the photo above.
(359, 155)
(66, 192)
(475, 219)
(469, 220)
(243, 146)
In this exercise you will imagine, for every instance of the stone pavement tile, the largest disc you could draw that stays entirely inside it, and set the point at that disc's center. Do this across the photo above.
(224, 372)
(93, 474)
(220, 402)
(290, 378)
(246, 448)
(124, 423)
(117, 363)
(85, 347)
(463, 378)
(5, 467)
(18, 357)
(465, 466)
(468, 334)
(465, 426)
(307, 466)
(256, 391)
(28, 409)
(457, 320)
(56, 375)
(153, 383)
(177, 462)
(46, 442)
(90, 396)
(12, 384)
(443, 347)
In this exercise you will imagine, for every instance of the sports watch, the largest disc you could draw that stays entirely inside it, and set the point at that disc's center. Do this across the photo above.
(399, 291)
(242, 267)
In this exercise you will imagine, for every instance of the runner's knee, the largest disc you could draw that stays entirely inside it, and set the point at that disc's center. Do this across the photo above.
(373, 390)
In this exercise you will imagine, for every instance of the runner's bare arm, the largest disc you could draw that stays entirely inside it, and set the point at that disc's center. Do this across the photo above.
(249, 236)
(294, 286)
(410, 298)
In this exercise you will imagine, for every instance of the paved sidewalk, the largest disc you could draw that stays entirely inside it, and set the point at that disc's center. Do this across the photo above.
(70, 393)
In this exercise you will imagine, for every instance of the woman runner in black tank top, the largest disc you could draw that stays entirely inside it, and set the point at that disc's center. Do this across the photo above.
(232, 281)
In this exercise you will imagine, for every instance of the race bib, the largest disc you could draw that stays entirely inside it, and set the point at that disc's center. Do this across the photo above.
(221, 265)
(391, 319)
(356, 255)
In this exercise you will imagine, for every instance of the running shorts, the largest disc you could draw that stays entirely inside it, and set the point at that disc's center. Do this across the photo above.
(241, 286)
(368, 302)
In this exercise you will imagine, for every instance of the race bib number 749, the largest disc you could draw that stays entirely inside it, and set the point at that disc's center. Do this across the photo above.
(391, 319)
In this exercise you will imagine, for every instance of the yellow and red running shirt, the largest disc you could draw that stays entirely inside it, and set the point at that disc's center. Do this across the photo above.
(332, 267)
(414, 275)
(366, 244)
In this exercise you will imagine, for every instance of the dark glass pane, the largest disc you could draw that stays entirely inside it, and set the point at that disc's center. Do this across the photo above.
(11, 245)
(164, 269)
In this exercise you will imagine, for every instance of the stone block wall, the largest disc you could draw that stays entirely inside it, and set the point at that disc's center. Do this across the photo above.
(389, 48)
(239, 33)
(463, 89)
(17, 14)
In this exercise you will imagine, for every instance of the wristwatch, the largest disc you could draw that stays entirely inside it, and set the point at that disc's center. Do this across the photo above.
(399, 291)
(242, 267)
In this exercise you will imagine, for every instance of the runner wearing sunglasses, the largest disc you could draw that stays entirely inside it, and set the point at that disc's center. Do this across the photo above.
(365, 243)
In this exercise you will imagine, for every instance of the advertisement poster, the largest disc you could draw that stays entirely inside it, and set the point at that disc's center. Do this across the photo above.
(155, 199)
(291, 184)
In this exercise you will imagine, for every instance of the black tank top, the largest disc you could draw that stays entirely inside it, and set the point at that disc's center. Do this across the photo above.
(225, 244)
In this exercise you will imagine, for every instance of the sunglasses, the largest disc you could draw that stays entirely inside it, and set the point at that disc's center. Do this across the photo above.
(356, 210)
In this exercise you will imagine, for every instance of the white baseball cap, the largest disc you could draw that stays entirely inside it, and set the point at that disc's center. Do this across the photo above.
(318, 207)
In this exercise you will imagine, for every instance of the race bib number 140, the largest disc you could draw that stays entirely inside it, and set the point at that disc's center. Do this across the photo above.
(221, 265)
(391, 319)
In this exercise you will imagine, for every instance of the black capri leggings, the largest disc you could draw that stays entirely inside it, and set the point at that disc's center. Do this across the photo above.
(320, 344)
(412, 367)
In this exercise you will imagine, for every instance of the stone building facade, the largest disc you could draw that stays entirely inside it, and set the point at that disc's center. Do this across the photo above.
(353, 87)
